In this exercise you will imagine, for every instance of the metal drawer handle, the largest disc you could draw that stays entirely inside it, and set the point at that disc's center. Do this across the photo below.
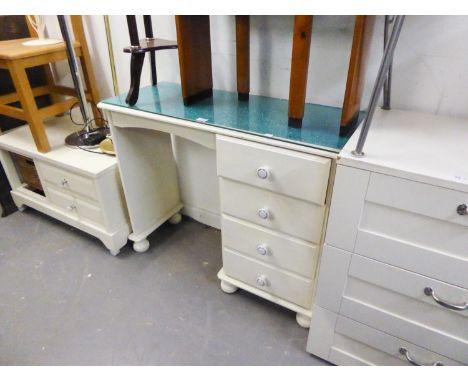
(428, 291)
(64, 182)
(263, 213)
(412, 361)
(262, 172)
(462, 209)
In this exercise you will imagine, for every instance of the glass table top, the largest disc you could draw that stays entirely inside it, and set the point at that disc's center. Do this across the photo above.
(264, 116)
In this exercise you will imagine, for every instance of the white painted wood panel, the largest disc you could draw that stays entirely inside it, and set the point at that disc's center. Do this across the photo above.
(393, 300)
(282, 251)
(149, 177)
(294, 217)
(322, 332)
(286, 285)
(349, 191)
(332, 277)
(287, 172)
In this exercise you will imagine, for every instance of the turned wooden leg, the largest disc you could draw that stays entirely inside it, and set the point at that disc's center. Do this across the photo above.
(243, 57)
(193, 39)
(136, 65)
(363, 28)
(299, 69)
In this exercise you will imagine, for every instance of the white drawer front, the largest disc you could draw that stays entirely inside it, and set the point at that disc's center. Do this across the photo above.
(282, 284)
(435, 202)
(357, 344)
(415, 226)
(393, 300)
(66, 180)
(302, 176)
(288, 215)
(270, 247)
(74, 206)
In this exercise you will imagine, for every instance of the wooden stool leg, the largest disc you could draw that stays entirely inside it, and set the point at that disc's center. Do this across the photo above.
(193, 39)
(299, 69)
(363, 28)
(136, 65)
(243, 56)
(28, 104)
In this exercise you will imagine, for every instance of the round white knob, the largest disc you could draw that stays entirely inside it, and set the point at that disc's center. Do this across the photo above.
(262, 249)
(262, 172)
(263, 213)
(262, 281)
(64, 182)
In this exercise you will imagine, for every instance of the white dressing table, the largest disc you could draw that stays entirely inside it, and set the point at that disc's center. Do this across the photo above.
(274, 183)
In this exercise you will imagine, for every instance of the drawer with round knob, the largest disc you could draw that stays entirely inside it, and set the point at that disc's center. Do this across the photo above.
(67, 181)
(285, 285)
(268, 246)
(291, 216)
(300, 175)
(74, 206)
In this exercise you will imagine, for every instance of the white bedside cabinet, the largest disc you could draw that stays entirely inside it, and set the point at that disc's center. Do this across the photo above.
(80, 188)
(393, 280)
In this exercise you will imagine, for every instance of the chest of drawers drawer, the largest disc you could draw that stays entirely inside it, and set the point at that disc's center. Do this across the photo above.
(424, 311)
(270, 247)
(280, 213)
(355, 344)
(67, 180)
(284, 285)
(286, 172)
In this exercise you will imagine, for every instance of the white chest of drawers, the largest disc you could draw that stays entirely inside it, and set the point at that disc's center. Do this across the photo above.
(81, 189)
(273, 205)
(393, 280)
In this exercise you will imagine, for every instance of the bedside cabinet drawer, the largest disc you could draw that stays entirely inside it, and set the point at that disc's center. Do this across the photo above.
(285, 285)
(270, 247)
(280, 213)
(424, 311)
(303, 176)
(68, 181)
(74, 206)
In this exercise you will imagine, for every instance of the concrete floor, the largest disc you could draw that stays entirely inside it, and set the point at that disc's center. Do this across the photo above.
(64, 300)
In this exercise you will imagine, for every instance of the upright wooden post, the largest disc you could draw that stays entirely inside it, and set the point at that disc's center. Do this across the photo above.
(193, 39)
(243, 56)
(363, 28)
(299, 69)
(86, 63)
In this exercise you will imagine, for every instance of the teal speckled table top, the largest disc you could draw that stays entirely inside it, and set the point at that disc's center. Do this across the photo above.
(264, 116)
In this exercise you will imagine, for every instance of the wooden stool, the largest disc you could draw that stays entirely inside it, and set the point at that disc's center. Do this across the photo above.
(16, 58)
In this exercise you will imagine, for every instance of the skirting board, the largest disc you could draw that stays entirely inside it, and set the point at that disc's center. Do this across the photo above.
(203, 216)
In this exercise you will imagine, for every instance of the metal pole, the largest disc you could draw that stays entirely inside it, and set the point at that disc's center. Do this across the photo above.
(384, 65)
(387, 87)
(75, 73)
